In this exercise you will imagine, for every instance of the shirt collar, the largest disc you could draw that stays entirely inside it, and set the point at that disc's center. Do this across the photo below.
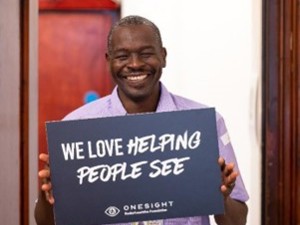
(165, 104)
(116, 104)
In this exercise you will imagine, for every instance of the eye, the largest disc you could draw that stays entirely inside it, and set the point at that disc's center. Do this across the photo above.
(146, 54)
(121, 57)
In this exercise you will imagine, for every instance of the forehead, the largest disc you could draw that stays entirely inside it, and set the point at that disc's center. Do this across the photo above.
(134, 36)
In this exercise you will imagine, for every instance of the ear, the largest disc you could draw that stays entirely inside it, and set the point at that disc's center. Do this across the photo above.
(107, 57)
(164, 56)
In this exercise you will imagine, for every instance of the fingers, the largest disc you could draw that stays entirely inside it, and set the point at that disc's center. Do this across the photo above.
(227, 188)
(44, 157)
(44, 175)
(46, 186)
(226, 191)
(221, 162)
(229, 181)
(228, 170)
(228, 177)
(50, 197)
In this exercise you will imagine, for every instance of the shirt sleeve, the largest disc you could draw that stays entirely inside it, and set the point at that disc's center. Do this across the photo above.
(227, 152)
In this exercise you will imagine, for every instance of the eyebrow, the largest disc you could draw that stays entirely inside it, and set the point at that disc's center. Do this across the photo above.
(144, 48)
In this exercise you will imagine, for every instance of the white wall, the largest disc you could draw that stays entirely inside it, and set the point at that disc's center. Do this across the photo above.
(214, 57)
(9, 111)
(33, 107)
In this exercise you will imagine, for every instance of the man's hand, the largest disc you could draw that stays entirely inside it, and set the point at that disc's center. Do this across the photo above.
(44, 175)
(228, 177)
(235, 211)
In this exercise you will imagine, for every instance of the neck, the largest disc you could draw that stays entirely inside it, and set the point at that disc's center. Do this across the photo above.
(140, 107)
(144, 105)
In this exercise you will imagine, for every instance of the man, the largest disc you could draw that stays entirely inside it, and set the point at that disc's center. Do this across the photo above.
(136, 58)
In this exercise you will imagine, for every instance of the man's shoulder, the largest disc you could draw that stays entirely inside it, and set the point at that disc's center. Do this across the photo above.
(186, 103)
(95, 109)
(183, 103)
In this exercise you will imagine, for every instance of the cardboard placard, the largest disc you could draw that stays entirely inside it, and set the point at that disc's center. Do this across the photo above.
(135, 167)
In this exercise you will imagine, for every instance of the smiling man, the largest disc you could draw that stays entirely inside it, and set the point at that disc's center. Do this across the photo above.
(136, 58)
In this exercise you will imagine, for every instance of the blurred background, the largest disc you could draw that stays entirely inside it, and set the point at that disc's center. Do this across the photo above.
(214, 57)
(220, 53)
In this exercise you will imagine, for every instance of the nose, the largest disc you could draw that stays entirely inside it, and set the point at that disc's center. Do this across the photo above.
(135, 61)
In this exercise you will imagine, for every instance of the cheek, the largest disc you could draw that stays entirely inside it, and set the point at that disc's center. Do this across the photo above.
(115, 68)
(158, 62)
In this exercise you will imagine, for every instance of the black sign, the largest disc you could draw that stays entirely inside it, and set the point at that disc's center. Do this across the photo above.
(135, 167)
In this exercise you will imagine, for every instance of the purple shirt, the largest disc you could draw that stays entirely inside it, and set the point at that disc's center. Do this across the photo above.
(111, 106)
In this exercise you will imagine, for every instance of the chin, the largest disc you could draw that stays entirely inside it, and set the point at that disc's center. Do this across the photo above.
(138, 97)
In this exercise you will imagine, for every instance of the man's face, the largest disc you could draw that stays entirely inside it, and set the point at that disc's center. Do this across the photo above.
(136, 61)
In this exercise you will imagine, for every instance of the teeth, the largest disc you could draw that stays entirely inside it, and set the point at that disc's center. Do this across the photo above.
(136, 78)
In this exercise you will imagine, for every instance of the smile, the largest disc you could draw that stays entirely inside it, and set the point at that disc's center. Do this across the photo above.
(137, 78)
